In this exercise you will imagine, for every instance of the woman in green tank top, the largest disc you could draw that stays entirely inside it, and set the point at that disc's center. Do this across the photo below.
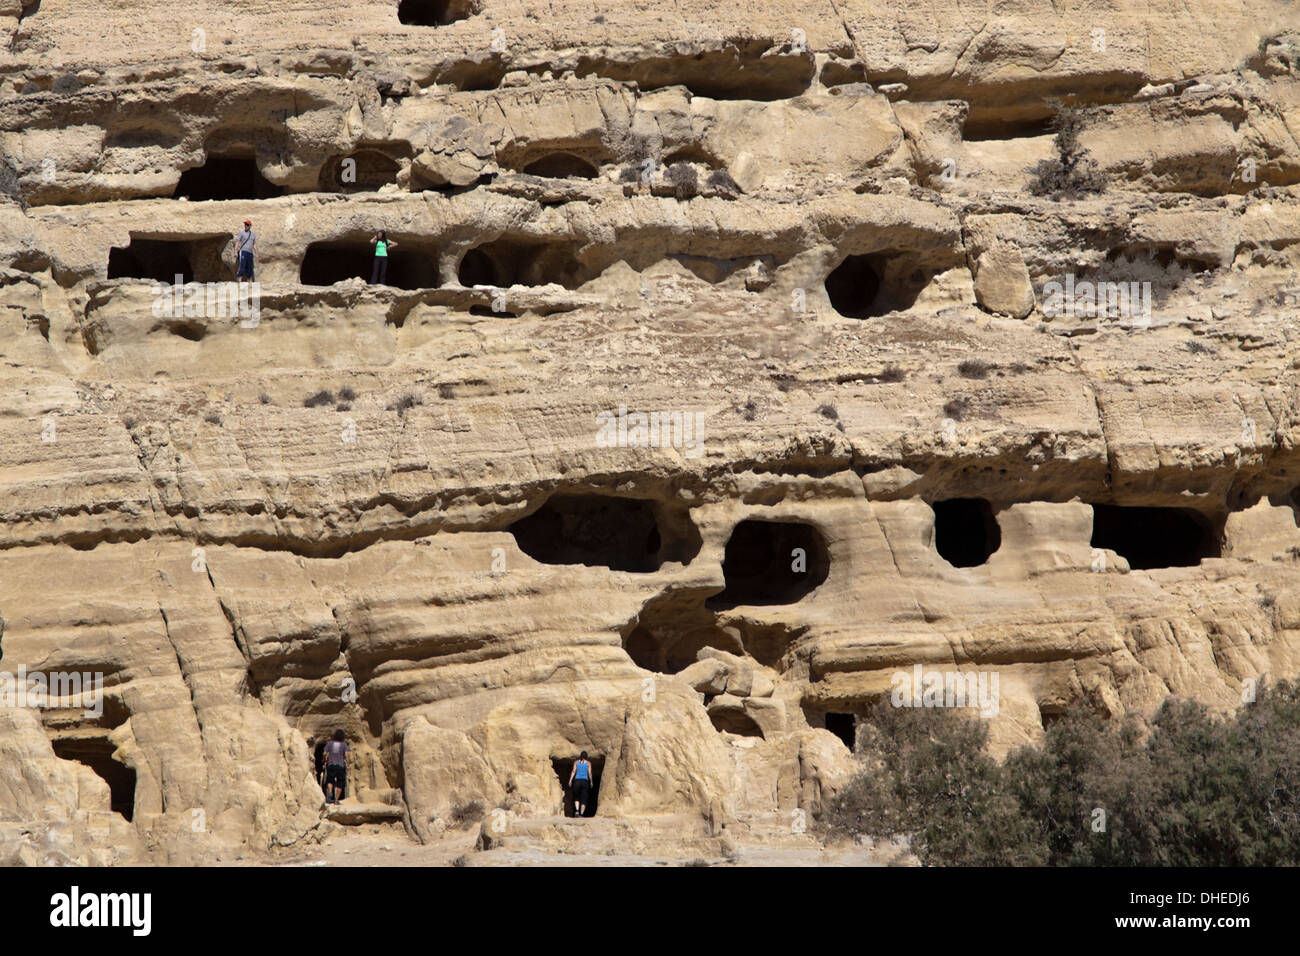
(381, 242)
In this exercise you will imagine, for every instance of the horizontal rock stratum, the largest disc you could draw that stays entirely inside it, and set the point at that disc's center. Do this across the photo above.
(968, 335)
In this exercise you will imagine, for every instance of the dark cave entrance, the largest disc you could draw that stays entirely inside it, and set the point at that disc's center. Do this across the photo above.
(865, 286)
(734, 721)
(845, 727)
(853, 287)
(563, 766)
(367, 171)
(195, 260)
(476, 269)
(1051, 715)
(622, 534)
(966, 533)
(504, 263)
(97, 754)
(672, 628)
(649, 649)
(224, 178)
(668, 644)
(561, 166)
(411, 265)
(318, 764)
(1149, 537)
(990, 127)
(434, 13)
(771, 562)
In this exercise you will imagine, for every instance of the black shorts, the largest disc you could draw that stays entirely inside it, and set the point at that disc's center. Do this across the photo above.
(336, 776)
(581, 790)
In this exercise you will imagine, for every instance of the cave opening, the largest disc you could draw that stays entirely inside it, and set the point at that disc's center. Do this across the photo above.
(412, 264)
(224, 178)
(563, 766)
(854, 286)
(195, 260)
(504, 263)
(733, 720)
(966, 532)
(845, 727)
(476, 269)
(622, 534)
(97, 754)
(649, 648)
(990, 127)
(318, 764)
(434, 13)
(866, 286)
(669, 646)
(672, 628)
(1154, 537)
(365, 170)
(561, 166)
(743, 70)
(771, 562)
(1050, 715)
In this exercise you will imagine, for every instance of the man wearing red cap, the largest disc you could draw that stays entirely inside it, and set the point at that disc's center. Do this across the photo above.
(245, 244)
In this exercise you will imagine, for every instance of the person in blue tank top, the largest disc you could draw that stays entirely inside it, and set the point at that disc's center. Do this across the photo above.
(580, 784)
(379, 272)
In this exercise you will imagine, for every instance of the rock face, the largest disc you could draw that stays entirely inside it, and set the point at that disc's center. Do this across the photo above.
(731, 365)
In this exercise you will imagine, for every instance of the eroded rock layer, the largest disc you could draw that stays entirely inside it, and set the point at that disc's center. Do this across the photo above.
(838, 251)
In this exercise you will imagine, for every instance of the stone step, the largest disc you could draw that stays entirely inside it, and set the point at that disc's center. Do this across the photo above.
(672, 835)
(357, 814)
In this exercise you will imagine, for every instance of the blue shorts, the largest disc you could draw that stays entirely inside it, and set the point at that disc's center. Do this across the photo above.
(245, 266)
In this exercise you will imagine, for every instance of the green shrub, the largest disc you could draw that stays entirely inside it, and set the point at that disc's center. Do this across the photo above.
(720, 180)
(1194, 790)
(684, 180)
(68, 83)
(955, 408)
(927, 775)
(470, 811)
(405, 403)
(1073, 172)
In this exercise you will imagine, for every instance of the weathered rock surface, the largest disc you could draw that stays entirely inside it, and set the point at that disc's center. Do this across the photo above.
(812, 231)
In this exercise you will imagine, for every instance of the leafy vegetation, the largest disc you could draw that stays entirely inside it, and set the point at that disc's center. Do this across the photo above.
(1192, 790)
(405, 404)
(720, 180)
(684, 179)
(1073, 172)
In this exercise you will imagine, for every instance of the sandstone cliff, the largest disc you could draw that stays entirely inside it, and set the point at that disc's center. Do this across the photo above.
(828, 233)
